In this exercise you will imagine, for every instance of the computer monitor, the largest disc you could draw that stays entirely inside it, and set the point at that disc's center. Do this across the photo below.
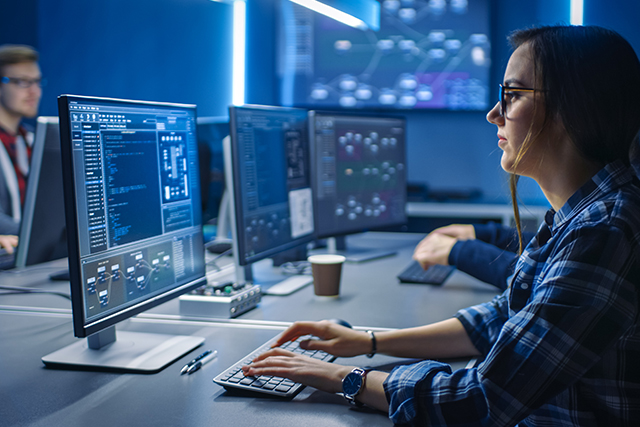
(134, 225)
(211, 132)
(43, 233)
(269, 184)
(358, 175)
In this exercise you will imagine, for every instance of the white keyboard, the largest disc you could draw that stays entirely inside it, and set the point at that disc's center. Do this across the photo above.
(289, 285)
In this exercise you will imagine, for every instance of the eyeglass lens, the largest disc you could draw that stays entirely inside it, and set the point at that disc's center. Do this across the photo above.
(22, 82)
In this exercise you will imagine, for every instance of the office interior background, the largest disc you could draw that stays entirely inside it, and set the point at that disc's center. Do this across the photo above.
(182, 51)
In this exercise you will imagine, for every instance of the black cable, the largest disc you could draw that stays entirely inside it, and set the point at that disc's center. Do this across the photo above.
(213, 261)
(227, 252)
(18, 290)
(296, 267)
(19, 271)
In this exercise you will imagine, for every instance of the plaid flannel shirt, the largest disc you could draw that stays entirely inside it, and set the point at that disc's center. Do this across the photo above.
(561, 346)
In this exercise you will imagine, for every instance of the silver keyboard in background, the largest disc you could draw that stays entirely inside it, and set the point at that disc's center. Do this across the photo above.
(289, 285)
(233, 378)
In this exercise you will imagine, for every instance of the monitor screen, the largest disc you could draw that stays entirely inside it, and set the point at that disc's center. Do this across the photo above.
(358, 172)
(43, 235)
(427, 55)
(132, 201)
(267, 166)
(211, 132)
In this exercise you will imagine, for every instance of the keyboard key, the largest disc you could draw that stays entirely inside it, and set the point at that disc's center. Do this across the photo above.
(259, 383)
(247, 381)
(283, 388)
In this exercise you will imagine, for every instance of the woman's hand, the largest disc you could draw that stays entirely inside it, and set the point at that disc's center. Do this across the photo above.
(434, 249)
(301, 369)
(333, 338)
(8, 242)
(315, 373)
(457, 231)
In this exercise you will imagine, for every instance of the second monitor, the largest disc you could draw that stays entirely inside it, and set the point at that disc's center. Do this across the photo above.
(358, 175)
(268, 180)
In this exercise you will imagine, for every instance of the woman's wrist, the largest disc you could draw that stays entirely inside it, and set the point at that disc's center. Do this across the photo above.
(341, 371)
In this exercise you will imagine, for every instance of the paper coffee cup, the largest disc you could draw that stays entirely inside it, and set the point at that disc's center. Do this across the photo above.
(327, 271)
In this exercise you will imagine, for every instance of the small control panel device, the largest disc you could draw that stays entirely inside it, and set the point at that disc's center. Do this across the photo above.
(220, 299)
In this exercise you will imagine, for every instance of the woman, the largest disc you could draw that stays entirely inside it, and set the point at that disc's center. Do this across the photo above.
(561, 345)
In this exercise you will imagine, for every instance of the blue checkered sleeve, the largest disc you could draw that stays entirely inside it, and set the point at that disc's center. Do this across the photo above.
(484, 322)
(576, 315)
(561, 345)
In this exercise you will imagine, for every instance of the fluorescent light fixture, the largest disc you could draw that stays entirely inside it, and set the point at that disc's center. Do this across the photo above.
(239, 48)
(577, 12)
(361, 14)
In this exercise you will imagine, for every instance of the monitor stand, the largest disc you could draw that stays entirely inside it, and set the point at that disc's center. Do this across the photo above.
(62, 275)
(338, 245)
(132, 352)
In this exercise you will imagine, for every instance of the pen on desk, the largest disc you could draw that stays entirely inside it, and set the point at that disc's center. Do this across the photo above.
(186, 367)
(201, 363)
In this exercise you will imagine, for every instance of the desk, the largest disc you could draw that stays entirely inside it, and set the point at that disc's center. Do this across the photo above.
(33, 395)
(371, 295)
(34, 325)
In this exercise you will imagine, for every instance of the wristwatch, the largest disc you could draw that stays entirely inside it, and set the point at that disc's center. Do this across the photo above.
(353, 383)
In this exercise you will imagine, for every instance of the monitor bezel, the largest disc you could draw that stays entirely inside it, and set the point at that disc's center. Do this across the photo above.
(80, 327)
(320, 233)
(234, 190)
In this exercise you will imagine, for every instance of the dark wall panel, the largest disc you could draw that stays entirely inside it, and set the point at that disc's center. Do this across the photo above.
(162, 50)
(180, 50)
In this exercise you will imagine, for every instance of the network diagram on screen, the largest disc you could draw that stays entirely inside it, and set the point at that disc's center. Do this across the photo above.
(360, 176)
(428, 54)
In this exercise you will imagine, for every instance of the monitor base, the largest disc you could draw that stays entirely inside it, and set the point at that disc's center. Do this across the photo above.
(338, 246)
(132, 352)
(62, 275)
(364, 255)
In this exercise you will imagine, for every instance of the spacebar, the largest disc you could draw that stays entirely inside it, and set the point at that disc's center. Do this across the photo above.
(289, 285)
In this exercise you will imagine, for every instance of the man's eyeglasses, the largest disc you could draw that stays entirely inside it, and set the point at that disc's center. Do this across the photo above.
(505, 90)
(23, 83)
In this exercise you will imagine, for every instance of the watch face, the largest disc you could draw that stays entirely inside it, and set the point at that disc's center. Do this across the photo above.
(351, 383)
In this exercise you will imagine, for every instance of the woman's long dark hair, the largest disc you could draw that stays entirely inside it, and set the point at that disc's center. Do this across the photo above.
(590, 78)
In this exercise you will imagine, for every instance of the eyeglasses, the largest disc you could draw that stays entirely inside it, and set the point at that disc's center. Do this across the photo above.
(22, 82)
(505, 90)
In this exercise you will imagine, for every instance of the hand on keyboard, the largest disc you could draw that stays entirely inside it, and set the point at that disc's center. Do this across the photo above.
(332, 337)
(298, 367)
(272, 383)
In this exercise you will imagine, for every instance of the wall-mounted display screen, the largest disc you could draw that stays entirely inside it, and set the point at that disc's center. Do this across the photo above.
(428, 54)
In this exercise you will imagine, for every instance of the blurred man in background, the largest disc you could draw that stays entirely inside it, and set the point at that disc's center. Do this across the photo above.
(20, 92)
